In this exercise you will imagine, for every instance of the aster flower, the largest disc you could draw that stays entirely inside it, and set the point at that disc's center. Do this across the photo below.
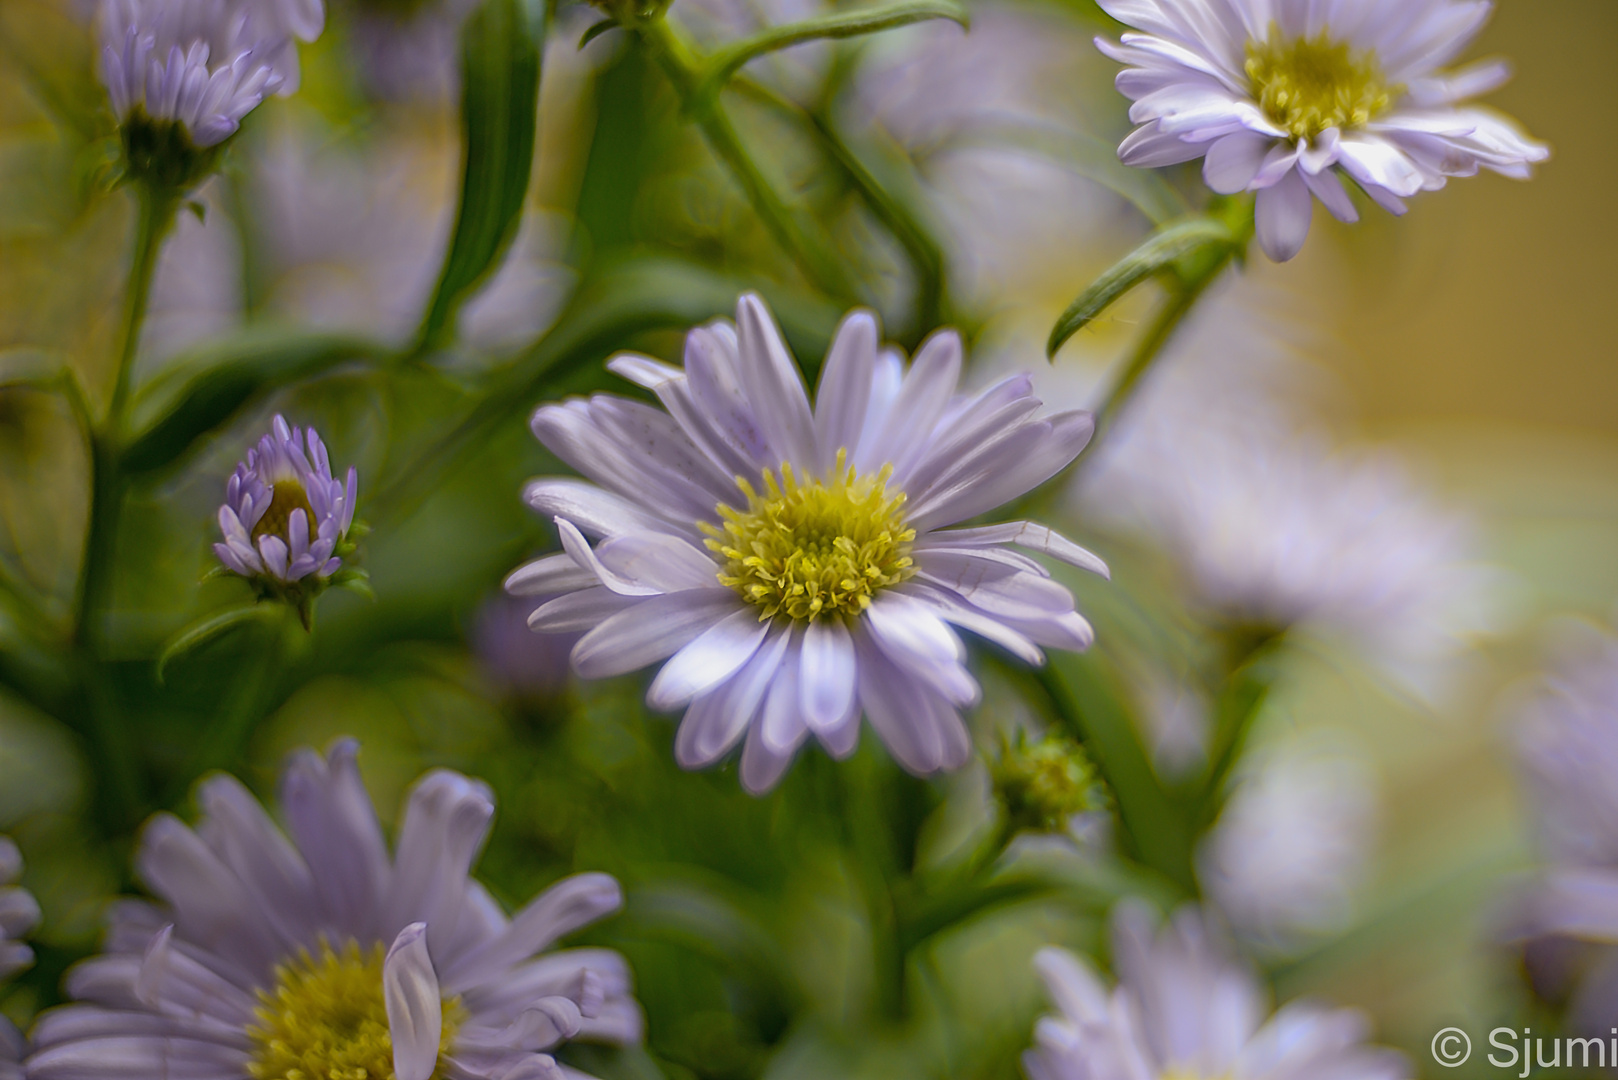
(1293, 842)
(19, 913)
(1567, 743)
(795, 565)
(1221, 461)
(286, 518)
(324, 956)
(13, 1048)
(1285, 97)
(182, 73)
(1184, 1008)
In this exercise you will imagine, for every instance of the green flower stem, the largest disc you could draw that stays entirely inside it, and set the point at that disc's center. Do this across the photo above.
(1249, 677)
(121, 787)
(685, 70)
(864, 820)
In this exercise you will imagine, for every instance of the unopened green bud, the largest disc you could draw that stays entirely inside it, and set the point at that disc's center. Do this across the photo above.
(1043, 784)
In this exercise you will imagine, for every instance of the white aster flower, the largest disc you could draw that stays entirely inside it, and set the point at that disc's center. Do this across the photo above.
(1293, 842)
(19, 913)
(795, 562)
(13, 1048)
(1218, 462)
(1283, 97)
(1567, 743)
(324, 956)
(284, 512)
(1183, 1009)
(201, 64)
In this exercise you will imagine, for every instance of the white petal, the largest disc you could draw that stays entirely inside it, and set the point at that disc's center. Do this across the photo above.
(1027, 534)
(579, 550)
(925, 392)
(415, 1011)
(1283, 217)
(1329, 190)
(714, 656)
(582, 610)
(1234, 160)
(827, 673)
(651, 630)
(774, 385)
(664, 562)
(551, 574)
(1147, 147)
(845, 386)
(594, 511)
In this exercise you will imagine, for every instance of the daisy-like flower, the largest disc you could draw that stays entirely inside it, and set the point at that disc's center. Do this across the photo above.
(1282, 97)
(324, 956)
(796, 563)
(1567, 742)
(19, 913)
(285, 515)
(1183, 1009)
(182, 73)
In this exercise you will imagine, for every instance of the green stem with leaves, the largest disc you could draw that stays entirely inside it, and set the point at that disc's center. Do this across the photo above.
(686, 71)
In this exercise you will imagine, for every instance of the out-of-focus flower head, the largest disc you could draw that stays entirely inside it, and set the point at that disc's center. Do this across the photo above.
(324, 955)
(19, 913)
(1284, 97)
(285, 518)
(408, 49)
(1217, 461)
(183, 73)
(531, 667)
(1567, 743)
(1293, 842)
(1046, 783)
(1183, 1007)
(792, 564)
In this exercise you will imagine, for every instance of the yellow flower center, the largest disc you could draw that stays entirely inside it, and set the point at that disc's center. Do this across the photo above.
(326, 1019)
(816, 549)
(286, 496)
(1307, 85)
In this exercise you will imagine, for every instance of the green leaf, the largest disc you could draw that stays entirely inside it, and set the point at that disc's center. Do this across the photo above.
(1157, 253)
(728, 60)
(500, 63)
(203, 391)
(210, 627)
(595, 30)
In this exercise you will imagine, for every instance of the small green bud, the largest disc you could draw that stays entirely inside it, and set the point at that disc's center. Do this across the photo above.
(1043, 784)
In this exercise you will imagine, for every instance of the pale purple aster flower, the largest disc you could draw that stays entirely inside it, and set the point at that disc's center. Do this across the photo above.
(19, 913)
(284, 512)
(526, 665)
(793, 564)
(203, 64)
(1184, 1008)
(1284, 97)
(13, 1048)
(1567, 743)
(324, 955)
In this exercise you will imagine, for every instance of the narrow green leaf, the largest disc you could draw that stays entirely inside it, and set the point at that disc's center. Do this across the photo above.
(201, 392)
(595, 30)
(731, 58)
(210, 627)
(1157, 253)
(500, 63)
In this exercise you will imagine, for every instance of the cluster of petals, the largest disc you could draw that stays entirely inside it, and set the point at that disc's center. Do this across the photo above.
(19, 912)
(649, 589)
(1193, 99)
(1567, 743)
(178, 988)
(1183, 1007)
(286, 454)
(202, 63)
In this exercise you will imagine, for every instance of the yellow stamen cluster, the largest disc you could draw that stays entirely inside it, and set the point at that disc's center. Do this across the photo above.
(1307, 85)
(326, 1019)
(285, 497)
(817, 549)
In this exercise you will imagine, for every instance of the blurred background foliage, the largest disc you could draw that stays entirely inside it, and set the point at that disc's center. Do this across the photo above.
(1474, 337)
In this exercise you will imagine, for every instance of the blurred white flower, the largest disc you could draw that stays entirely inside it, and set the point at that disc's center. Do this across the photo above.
(1294, 841)
(409, 50)
(1567, 743)
(19, 913)
(13, 1048)
(203, 64)
(1184, 1008)
(284, 513)
(1218, 461)
(376, 965)
(1283, 97)
(793, 564)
